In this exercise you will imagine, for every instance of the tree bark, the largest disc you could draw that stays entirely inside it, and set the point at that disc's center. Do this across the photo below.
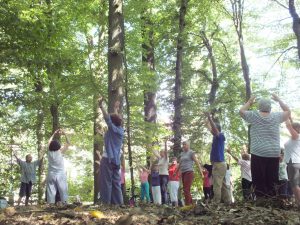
(115, 54)
(214, 82)
(296, 23)
(237, 16)
(150, 109)
(39, 138)
(177, 123)
(98, 147)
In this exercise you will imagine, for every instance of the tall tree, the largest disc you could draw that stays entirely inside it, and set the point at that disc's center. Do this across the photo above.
(150, 109)
(115, 54)
(237, 17)
(177, 123)
(214, 82)
(296, 23)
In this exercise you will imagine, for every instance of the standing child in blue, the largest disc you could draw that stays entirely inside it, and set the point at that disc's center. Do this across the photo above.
(56, 178)
(155, 182)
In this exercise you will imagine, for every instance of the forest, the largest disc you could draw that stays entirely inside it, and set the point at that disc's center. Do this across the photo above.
(167, 63)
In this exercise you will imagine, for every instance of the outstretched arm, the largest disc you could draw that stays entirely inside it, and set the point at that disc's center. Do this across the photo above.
(198, 164)
(67, 144)
(53, 135)
(247, 105)
(103, 110)
(212, 125)
(292, 131)
(166, 148)
(230, 153)
(284, 107)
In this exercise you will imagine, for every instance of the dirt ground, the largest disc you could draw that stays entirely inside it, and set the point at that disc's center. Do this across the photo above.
(267, 213)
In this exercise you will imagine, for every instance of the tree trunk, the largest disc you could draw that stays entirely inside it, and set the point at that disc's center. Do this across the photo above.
(39, 138)
(177, 123)
(98, 147)
(115, 54)
(296, 23)
(237, 17)
(214, 81)
(150, 109)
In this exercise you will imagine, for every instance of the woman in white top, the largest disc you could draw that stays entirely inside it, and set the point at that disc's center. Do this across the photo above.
(292, 158)
(56, 178)
(163, 168)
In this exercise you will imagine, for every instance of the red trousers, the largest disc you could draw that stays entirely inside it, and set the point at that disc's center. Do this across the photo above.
(187, 180)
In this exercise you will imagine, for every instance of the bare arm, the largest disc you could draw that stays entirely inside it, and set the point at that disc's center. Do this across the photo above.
(283, 106)
(213, 127)
(103, 110)
(166, 149)
(67, 144)
(230, 153)
(53, 135)
(292, 131)
(247, 105)
(198, 164)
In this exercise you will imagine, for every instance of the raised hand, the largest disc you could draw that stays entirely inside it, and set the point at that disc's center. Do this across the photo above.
(251, 99)
(275, 97)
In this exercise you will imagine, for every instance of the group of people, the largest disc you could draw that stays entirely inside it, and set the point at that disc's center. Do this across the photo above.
(260, 169)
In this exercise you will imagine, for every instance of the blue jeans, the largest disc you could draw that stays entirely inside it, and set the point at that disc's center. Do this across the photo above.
(164, 179)
(145, 191)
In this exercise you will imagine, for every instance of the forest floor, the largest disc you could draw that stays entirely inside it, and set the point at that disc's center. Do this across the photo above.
(267, 213)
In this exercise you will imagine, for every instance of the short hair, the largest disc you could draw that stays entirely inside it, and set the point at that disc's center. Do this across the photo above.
(264, 105)
(174, 158)
(186, 142)
(116, 119)
(54, 146)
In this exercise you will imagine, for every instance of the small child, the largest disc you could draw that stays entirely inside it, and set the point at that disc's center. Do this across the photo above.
(228, 185)
(144, 173)
(283, 178)
(174, 181)
(207, 182)
(56, 178)
(156, 193)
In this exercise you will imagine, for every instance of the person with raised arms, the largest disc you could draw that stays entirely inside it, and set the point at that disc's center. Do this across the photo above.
(110, 185)
(265, 143)
(56, 181)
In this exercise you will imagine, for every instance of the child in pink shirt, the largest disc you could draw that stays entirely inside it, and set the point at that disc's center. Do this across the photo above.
(144, 173)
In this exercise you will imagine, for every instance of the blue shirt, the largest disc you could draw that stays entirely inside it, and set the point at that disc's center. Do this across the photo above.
(217, 148)
(28, 171)
(113, 140)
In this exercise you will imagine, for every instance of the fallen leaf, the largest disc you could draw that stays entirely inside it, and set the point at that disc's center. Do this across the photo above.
(10, 211)
(97, 214)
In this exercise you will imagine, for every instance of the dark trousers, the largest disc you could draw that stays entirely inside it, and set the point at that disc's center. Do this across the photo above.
(246, 187)
(264, 175)
(110, 186)
(207, 192)
(25, 189)
(164, 179)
